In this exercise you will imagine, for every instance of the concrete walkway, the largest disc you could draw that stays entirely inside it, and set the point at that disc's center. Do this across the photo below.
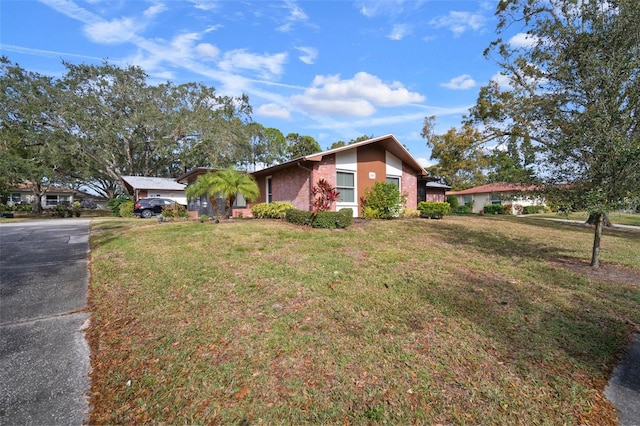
(623, 389)
(44, 358)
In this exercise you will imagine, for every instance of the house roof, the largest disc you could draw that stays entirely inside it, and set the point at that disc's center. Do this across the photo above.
(192, 174)
(389, 142)
(493, 188)
(142, 182)
(28, 187)
(437, 185)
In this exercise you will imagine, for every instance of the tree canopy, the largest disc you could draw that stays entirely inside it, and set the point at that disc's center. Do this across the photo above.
(571, 100)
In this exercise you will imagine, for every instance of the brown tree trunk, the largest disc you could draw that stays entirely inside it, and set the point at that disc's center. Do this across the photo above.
(593, 217)
(595, 253)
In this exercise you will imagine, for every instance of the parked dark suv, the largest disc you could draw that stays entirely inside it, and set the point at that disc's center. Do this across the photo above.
(147, 207)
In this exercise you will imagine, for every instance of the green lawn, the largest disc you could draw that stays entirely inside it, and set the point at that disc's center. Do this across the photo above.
(615, 218)
(464, 320)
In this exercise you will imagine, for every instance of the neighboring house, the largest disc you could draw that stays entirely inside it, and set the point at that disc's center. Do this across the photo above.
(22, 194)
(433, 191)
(155, 187)
(351, 169)
(498, 193)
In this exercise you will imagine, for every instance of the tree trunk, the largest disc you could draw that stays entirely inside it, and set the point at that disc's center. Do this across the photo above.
(595, 253)
(593, 217)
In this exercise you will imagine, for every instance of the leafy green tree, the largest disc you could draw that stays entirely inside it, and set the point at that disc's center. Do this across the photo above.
(268, 145)
(461, 158)
(341, 143)
(300, 146)
(227, 183)
(32, 147)
(574, 96)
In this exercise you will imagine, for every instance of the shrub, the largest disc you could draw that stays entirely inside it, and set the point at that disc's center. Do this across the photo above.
(125, 209)
(59, 211)
(114, 205)
(532, 209)
(433, 210)
(325, 220)
(275, 210)
(298, 217)
(453, 202)
(385, 198)
(369, 213)
(175, 210)
(410, 213)
(344, 218)
(76, 208)
(463, 210)
(507, 209)
(324, 195)
(493, 209)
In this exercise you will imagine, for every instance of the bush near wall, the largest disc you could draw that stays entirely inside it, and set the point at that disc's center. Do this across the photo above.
(433, 210)
(274, 210)
(326, 220)
(493, 209)
(532, 209)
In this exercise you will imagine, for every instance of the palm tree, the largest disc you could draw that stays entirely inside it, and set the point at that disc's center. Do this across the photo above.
(227, 183)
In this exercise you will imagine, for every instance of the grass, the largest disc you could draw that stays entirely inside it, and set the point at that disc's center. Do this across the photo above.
(464, 320)
(616, 218)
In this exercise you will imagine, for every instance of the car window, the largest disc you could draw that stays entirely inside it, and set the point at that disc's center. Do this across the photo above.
(168, 202)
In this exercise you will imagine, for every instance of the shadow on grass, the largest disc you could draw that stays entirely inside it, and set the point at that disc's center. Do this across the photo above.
(544, 315)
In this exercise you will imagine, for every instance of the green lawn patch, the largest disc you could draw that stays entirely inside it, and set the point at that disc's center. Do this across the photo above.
(464, 320)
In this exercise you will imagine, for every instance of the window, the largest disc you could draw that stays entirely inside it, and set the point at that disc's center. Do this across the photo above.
(468, 200)
(394, 180)
(269, 190)
(14, 199)
(240, 202)
(345, 184)
(54, 200)
(495, 199)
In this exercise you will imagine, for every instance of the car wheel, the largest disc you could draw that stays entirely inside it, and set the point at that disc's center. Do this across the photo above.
(147, 214)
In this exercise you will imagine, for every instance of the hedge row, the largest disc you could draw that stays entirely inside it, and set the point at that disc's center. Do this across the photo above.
(433, 210)
(327, 220)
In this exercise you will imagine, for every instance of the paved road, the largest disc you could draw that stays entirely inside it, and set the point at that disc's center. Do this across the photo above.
(44, 357)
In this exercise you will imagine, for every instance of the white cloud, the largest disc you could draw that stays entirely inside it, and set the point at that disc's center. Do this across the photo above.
(523, 40)
(296, 15)
(424, 162)
(356, 97)
(207, 51)
(309, 54)
(205, 4)
(459, 22)
(111, 32)
(154, 10)
(266, 65)
(273, 111)
(502, 80)
(462, 82)
(399, 32)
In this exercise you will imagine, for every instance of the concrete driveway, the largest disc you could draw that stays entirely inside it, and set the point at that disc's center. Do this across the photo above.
(44, 357)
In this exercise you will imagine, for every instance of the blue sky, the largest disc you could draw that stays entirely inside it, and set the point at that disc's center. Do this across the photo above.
(334, 70)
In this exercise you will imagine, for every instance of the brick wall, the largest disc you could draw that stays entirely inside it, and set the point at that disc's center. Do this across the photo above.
(410, 186)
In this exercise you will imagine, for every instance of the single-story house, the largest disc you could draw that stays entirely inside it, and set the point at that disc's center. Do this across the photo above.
(155, 187)
(498, 193)
(351, 169)
(22, 194)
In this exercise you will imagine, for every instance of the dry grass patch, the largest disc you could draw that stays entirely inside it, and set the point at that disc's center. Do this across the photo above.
(457, 321)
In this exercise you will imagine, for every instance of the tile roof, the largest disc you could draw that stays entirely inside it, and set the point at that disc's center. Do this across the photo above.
(492, 188)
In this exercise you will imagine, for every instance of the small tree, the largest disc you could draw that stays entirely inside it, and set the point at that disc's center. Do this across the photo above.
(228, 183)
